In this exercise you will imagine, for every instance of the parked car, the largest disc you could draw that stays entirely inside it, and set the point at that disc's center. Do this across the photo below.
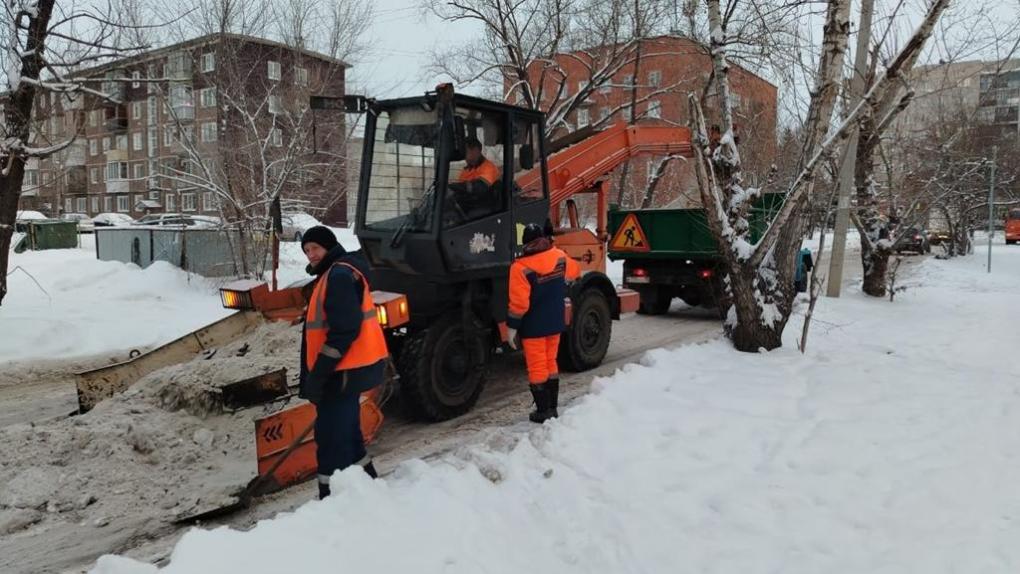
(295, 224)
(85, 224)
(178, 219)
(112, 220)
(913, 239)
(938, 237)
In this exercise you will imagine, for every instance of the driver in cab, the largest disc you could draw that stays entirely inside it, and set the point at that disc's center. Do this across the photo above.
(475, 182)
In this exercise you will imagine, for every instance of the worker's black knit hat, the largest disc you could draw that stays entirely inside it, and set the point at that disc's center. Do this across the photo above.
(320, 235)
(532, 232)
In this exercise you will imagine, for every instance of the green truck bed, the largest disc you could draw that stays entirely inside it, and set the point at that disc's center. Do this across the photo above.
(682, 233)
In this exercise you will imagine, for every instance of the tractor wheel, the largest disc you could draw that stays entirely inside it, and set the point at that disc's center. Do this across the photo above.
(442, 372)
(585, 342)
(654, 300)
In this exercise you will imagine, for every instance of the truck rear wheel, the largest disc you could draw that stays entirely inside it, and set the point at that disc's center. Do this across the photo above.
(442, 372)
(586, 341)
(654, 300)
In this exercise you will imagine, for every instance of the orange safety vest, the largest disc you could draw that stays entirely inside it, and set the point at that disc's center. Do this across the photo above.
(486, 171)
(370, 345)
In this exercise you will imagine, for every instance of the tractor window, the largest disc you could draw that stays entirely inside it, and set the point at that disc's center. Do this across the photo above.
(476, 180)
(527, 163)
(403, 170)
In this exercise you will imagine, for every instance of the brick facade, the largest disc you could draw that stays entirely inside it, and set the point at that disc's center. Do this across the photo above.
(124, 152)
(683, 67)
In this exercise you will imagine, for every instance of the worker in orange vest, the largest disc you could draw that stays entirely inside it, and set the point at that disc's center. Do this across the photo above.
(538, 289)
(343, 352)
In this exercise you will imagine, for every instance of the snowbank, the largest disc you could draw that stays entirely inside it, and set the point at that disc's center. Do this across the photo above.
(293, 260)
(83, 306)
(891, 446)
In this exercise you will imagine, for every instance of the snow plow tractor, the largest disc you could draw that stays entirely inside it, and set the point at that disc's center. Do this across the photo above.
(445, 238)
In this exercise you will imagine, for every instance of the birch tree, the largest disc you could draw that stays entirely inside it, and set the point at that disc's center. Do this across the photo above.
(760, 274)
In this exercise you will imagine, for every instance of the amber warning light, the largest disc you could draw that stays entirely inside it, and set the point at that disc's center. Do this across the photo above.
(391, 309)
(238, 294)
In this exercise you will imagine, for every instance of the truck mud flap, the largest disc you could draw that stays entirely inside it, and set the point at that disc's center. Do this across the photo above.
(629, 299)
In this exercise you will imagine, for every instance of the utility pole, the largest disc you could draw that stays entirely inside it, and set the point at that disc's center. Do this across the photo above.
(846, 168)
(991, 205)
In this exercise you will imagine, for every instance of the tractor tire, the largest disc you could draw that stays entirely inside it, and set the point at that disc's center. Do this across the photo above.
(585, 342)
(654, 300)
(442, 373)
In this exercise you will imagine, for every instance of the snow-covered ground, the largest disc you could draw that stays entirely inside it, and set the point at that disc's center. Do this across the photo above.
(890, 446)
(64, 303)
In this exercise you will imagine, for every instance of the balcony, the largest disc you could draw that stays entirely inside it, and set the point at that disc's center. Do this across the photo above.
(118, 186)
(116, 155)
(116, 118)
(115, 90)
(73, 155)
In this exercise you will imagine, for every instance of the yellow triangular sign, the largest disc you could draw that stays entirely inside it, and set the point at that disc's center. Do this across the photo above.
(630, 236)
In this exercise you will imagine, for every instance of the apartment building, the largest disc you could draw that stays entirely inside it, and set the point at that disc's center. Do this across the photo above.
(203, 127)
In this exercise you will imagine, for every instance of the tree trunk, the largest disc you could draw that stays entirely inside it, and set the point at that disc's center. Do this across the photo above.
(876, 267)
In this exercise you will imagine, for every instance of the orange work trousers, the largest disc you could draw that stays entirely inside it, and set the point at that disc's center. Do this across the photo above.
(540, 356)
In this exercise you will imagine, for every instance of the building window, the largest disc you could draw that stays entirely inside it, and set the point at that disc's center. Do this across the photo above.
(208, 62)
(31, 177)
(628, 80)
(583, 117)
(139, 170)
(93, 147)
(735, 100)
(606, 88)
(137, 141)
(152, 75)
(94, 117)
(94, 203)
(94, 174)
(654, 78)
(122, 203)
(116, 170)
(122, 142)
(136, 110)
(170, 204)
(603, 113)
(207, 201)
(627, 113)
(276, 137)
(209, 132)
(274, 104)
(138, 202)
(655, 109)
(108, 204)
(68, 207)
(153, 141)
(188, 202)
(273, 70)
(81, 205)
(301, 76)
(581, 85)
(207, 97)
(187, 134)
(152, 111)
(135, 76)
(106, 144)
(168, 136)
(153, 193)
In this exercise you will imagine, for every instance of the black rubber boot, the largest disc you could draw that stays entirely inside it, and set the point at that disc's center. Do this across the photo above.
(543, 410)
(323, 490)
(554, 396)
(370, 470)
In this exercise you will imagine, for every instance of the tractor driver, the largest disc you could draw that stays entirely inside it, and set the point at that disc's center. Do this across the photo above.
(474, 185)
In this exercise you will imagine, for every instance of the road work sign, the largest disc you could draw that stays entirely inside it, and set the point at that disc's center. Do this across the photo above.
(630, 236)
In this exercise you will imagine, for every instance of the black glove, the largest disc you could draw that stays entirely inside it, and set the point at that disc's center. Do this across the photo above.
(317, 379)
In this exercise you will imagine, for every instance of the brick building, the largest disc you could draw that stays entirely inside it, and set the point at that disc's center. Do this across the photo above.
(201, 127)
(682, 66)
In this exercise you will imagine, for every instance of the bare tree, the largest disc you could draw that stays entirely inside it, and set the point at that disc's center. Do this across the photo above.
(43, 43)
(760, 275)
(881, 231)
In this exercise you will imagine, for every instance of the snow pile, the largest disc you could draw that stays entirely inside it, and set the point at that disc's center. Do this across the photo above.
(160, 450)
(82, 306)
(891, 446)
(293, 260)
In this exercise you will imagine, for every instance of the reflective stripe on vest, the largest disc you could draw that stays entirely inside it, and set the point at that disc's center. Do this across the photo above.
(370, 345)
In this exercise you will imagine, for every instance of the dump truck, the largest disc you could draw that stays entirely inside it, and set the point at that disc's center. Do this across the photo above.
(670, 253)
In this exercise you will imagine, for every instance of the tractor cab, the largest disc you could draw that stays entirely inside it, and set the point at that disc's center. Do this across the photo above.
(447, 184)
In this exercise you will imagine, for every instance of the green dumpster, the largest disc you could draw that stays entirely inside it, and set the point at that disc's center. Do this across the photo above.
(49, 234)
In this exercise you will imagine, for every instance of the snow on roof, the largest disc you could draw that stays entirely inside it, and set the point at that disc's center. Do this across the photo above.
(29, 215)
